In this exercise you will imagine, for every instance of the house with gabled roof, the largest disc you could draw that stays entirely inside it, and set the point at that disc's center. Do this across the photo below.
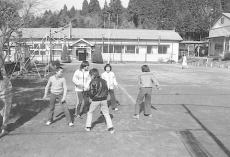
(114, 44)
(219, 36)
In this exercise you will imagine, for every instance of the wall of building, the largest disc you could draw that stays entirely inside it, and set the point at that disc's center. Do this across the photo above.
(135, 50)
(142, 55)
(222, 22)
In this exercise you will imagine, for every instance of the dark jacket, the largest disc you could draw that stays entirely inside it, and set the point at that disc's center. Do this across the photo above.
(98, 89)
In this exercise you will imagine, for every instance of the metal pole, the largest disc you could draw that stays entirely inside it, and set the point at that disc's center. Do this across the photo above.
(50, 47)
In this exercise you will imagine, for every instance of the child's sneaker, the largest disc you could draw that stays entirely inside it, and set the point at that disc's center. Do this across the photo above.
(87, 128)
(48, 122)
(115, 109)
(136, 116)
(70, 124)
(148, 115)
(111, 130)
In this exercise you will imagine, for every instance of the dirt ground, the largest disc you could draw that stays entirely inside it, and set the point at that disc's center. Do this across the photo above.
(191, 117)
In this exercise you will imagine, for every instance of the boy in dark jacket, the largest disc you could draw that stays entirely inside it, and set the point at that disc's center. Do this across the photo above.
(98, 92)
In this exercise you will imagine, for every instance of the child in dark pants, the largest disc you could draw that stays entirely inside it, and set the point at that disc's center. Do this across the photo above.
(58, 88)
(146, 80)
(98, 92)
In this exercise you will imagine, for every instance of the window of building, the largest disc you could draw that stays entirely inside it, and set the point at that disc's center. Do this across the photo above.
(36, 46)
(36, 52)
(56, 52)
(219, 47)
(118, 48)
(42, 52)
(227, 45)
(130, 49)
(42, 46)
(137, 50)
(222, 20)
(57, 46)
(107, 48)
(149, 49)
(162, 49)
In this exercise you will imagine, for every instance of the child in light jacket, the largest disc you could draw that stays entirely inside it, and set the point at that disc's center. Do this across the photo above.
(81, 80)
(110, 78)
(146, 81)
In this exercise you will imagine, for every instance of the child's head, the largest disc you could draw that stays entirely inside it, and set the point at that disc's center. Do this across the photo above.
(107, 67)
(94, 73)
(59, 71)
(145, 68)
(84, 65)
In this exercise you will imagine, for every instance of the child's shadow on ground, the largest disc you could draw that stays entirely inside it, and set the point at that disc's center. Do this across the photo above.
(100, 119)
(61, 115)
(26, 113)
(58, 117)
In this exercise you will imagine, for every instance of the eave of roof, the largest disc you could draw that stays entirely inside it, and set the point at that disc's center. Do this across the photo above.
(99, 33)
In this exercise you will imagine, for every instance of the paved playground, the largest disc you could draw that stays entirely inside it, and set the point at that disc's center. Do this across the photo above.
(191, 118)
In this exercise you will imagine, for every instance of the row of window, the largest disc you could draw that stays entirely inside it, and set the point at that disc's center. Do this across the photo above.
(133, 49)
(151, 49)
(43, 46)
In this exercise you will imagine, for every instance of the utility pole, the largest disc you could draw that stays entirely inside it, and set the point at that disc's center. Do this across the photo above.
(109, 20)
(50, 47)
(117, 21)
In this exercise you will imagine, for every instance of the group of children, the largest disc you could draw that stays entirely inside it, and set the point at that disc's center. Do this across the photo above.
(92, 91)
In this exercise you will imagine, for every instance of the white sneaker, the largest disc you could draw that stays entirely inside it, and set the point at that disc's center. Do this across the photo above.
(48, 122)
(115, 109)
(137, 116)
(87, 128)
(70, 124)
(111, 130)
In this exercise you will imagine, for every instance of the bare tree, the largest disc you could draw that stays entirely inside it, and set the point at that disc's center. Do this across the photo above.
(13, 16)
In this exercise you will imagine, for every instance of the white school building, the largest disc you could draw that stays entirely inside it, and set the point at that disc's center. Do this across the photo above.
(114, 44)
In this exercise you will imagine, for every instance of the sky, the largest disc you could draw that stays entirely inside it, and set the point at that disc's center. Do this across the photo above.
(58, 4)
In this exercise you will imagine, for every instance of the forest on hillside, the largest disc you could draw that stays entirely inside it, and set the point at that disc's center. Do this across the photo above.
(191, 18)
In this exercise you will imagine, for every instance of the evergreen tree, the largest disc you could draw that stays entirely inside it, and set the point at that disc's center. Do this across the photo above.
(94, 7)
(116, 10)
(72, 12)
(85, 7)
(63, 17)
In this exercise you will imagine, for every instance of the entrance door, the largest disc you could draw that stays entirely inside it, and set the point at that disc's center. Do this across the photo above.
(82, 55)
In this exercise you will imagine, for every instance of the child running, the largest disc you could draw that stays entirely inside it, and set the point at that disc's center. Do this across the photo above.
(98, 92)
(110, 78)
(58, 89)
(146, 80)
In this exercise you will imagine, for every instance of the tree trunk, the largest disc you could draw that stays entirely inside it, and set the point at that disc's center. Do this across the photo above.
(2, 57)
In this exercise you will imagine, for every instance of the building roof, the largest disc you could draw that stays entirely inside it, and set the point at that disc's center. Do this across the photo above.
(226, 14)
(193, 42)
(99, 33)
(219, 32)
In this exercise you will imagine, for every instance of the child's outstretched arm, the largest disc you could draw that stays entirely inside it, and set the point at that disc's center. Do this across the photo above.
(47, 89)
(156, 82)
(115, 81)
(65, 91)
